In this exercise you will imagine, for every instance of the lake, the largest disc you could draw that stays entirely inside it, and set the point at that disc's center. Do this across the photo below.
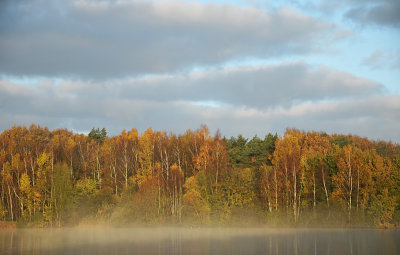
(199, 241)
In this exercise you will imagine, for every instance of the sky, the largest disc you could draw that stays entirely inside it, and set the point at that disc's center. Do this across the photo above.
(241, 67)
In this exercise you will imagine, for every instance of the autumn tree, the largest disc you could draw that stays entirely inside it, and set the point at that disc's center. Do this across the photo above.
(146, 155)
(381, 192)
(287, 158)
(196, 208)
(62, 192)
(26, 196)
(54, 178)
(352, 179)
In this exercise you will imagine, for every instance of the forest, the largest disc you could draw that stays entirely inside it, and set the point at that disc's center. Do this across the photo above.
(61, 178)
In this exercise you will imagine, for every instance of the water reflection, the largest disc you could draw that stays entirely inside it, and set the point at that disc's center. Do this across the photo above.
(198, 241)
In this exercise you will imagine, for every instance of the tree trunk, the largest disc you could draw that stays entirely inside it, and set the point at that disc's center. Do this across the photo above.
(98, 166)
(276, 190)
(313, 175)
(11, 204)
(325, 189)
(350, 177)
(126, 167)
(294, 194)
(286, 189)
(358, 185)
(72, 171)
(115, 177)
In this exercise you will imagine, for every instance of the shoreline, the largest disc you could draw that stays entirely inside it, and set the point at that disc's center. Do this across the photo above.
(7, 225)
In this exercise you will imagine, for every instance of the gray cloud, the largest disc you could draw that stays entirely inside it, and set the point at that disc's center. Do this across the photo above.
(129, 63)
(262, 86)
(364, 12)
(396, 64)
(376, 117)
(247, 100)
(256, 86)
(375, 60)
(378, 12)
(103, 39)
(380, 60)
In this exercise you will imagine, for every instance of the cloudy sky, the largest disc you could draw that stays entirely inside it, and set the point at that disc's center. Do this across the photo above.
(245, 67)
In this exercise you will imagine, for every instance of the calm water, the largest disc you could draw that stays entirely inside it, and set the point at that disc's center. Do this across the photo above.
(198, 241)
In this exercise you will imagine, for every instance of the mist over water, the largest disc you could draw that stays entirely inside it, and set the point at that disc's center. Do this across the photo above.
(198, 241)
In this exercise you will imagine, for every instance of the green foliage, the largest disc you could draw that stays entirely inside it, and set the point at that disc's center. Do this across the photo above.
(253, 153)
(235, 194)
(205, 187)
(195, 208)
(236, 148)
(382, 209)
(98, 135)
(341, 141)
(62, 192)
(84, 201)
(241, 188)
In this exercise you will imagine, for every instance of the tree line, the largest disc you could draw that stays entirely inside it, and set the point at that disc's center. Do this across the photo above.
(61, 178)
